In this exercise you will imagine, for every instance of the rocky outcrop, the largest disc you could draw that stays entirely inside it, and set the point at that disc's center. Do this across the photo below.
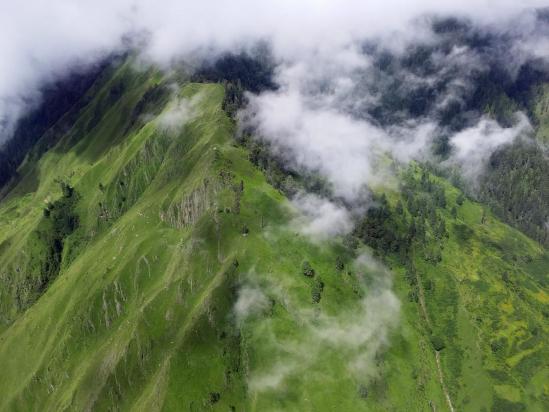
(189, 209)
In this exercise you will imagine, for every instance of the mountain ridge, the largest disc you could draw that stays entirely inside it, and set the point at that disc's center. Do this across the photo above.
(184, 285)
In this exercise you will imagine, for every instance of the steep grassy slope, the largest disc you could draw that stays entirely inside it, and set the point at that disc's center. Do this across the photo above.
(170, 223)
(481, 289)
(178, 282)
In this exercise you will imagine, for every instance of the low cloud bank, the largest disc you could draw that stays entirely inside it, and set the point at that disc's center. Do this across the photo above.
(474, 145)
(251, 301)
(359, 334)
(320, 218)
(40, 41)
(178, 112)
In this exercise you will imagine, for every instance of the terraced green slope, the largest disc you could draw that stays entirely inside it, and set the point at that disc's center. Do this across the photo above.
(146, 264)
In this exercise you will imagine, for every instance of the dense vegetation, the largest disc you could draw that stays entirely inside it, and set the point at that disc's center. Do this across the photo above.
(451, 255)
(516, 185)
(252, 72)
(60, 220)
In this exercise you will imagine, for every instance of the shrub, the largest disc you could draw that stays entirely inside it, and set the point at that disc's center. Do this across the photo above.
(307, 269)
(214, 397)
(316, 292)
(413, 295)
(438, 343)
(340, 265)
(498, 345)
(350, 242)
(362, 391)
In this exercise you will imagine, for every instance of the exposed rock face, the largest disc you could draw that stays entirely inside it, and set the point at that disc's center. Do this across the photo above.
(190, 208)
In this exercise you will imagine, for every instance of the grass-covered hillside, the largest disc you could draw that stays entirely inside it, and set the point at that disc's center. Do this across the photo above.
(146, 263)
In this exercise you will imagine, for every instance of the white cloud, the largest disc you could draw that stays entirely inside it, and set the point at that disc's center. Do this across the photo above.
(318, 137)
(40, 40)
(358, 334)
(251, 301)
(319, 218)
(177, 113)
(473, 146)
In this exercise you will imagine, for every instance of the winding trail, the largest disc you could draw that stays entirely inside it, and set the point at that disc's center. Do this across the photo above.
(437, 353)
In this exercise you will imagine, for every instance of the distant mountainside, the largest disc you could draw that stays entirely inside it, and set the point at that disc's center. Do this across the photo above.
(61, 101)
(150, 260)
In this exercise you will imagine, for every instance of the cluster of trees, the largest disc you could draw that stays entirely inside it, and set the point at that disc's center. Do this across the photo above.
(423, 199)
(437, 342)
(234, 98)
(413, 220)
(279, 175)
(318, 284)
(239, 73)
(381, 228)
(251, 71)
(316, 291)
(238, 190)
(516, 186)
(214, 397)
(60, 220)
(307, 269)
